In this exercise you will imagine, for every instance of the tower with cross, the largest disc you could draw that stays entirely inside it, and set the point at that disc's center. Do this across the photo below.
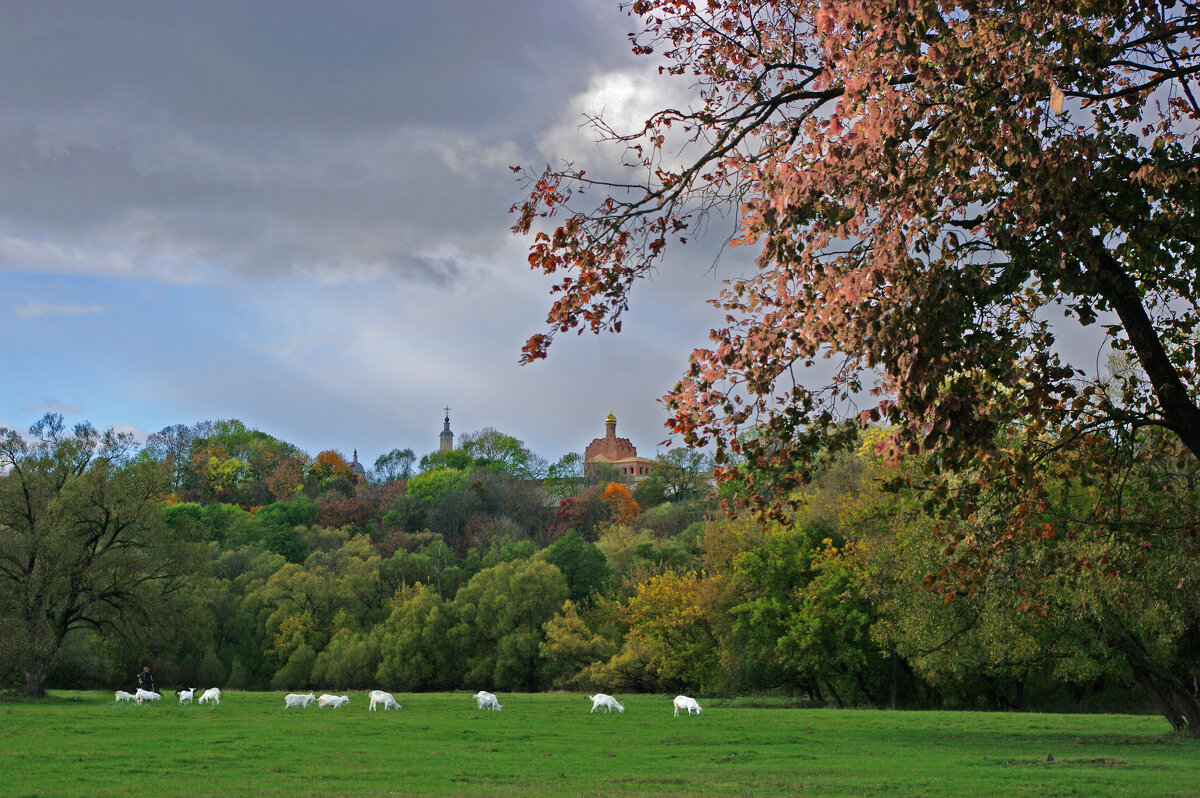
(446, 438)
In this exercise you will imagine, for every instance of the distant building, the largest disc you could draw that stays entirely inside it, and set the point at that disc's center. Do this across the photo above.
(446, 438)
(616, 452)
(356, 468)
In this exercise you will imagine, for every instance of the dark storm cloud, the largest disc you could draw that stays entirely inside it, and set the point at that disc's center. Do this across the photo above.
(295, 214)
(161, 139)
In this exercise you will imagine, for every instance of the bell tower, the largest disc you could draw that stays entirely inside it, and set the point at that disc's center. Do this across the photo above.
(446, 438)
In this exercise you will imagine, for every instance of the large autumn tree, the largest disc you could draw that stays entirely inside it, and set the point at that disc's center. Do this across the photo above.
(82, 544)
(930, 184)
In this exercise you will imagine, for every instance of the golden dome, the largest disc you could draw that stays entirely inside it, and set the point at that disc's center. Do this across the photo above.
(611, 419)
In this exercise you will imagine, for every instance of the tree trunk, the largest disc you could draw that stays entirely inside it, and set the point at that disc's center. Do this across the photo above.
(1170, 694)
(895, 678)
(1119, 289)
(1176, 704)
(35, 683)
(837, 698)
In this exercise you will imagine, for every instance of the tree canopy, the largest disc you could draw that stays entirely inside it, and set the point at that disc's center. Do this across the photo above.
(936, 191)
(82, 544)
(927, 186)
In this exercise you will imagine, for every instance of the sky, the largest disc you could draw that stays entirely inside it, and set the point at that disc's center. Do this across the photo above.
(296, 214)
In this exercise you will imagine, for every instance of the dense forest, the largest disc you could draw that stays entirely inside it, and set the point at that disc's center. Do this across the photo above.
(223, 556)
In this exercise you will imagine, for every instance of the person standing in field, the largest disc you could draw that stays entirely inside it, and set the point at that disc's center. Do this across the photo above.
(146, 679)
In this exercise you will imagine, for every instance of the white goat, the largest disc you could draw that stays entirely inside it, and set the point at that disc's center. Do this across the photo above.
(146, 695)
(186, 695)
(124, 696)
(211, 696)
(380, 697)
(686, 704)
(297, 700)
(608, 702)
(334, 701)
(486, 700)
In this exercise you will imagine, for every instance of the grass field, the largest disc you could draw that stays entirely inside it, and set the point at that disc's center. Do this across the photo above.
(80, 743)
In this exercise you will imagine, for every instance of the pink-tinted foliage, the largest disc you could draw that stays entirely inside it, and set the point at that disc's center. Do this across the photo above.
(927, 182)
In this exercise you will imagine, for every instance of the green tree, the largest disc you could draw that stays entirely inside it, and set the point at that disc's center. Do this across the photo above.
(634, 556)
(224, 461)
(683, 473)
(82, 543)
(350, 660)
(489, 447)
(570, 648)
(329, 471)
(172, 446)
(502, 611)
(396, 464)
(417, 652)
(671, 618)
(582, 564)
(428, 487)
(457, 459)
(564, 477)
(828, 633)
(296, 674)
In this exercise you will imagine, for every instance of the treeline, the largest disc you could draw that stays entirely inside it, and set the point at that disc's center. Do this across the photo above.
(487, 569)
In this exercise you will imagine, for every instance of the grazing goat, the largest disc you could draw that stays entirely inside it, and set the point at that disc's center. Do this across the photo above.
(486, 699)
(146, 695)
(380, 697)
(186, 695)
(688, 705)
(297, 700)
(124, 696)
(334, 701)
(211, 696)
(608, 702)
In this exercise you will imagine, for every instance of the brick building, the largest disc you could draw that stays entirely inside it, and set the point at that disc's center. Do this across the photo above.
(616, 452)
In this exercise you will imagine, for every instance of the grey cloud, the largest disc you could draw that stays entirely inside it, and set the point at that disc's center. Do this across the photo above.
(165, 139)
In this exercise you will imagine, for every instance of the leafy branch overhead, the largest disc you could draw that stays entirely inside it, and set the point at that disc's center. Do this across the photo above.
(928, 185)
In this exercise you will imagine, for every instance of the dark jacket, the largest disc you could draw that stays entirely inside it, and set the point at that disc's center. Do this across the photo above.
(146, 681)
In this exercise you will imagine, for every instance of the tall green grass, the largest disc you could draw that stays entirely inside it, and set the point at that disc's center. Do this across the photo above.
(81, 743)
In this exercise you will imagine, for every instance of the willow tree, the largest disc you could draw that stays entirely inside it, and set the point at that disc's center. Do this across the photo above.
(929, 185)
(82, 544)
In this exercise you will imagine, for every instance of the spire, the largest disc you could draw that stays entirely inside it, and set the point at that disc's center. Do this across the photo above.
(446, 438)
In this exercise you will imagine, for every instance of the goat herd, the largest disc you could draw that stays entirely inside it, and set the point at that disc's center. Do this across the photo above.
(484, 699)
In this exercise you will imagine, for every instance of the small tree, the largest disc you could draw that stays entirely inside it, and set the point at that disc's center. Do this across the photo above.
(396, 464)
(683, 473)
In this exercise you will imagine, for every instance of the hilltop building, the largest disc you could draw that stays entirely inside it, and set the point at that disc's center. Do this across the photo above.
(357, 469)
(616, 452)
(446, 437)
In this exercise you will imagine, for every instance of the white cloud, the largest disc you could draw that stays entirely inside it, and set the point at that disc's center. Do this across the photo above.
(139, 434)
(466, 156)
(131, 247)
(624, 99)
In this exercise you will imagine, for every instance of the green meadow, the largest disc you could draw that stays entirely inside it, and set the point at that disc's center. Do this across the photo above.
(81, 743)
